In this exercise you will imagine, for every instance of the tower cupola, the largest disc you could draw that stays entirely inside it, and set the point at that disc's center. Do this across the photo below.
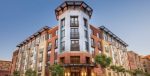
(73, 5)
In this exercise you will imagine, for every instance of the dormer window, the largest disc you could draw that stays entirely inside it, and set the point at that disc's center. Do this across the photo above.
(74, 21)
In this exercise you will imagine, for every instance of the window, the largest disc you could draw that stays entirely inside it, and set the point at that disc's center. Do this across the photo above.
(75, 59)
(105, 37)
(63, 22)
(74, 21)
(63, 46)
(49, 46)
(98, 35)
(92, 32)
(49, 36)
(56, 32)
(40, 59)
(63, 33)
(92, 42)
(74, 33)
(87, 46)
(86, 34)
(85, 22)
(55, 57)
(56, 43)
(88, 60)
(41, 50)
(48, 57)
(62, 60)
(75, 45)
(42, 38)
(107, 49)
(99, 45)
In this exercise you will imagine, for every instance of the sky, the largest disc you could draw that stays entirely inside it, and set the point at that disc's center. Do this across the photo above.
(128, 19)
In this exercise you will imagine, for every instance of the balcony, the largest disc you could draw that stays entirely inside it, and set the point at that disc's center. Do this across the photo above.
(62, 48)
(40, 59)
(75, 48)
(31, 62)
(49, 48)
(31, 54)
(74, 24)
(41, 51)
(74, 36)
(40, 69)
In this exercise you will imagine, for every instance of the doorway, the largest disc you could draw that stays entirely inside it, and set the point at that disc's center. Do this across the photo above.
(75, 73)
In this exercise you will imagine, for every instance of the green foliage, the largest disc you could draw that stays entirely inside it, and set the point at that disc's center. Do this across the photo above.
(128, 71)
(16, 73)
(134, 72)
(138, 71)
(34, 73)
(146, 74)
(118, 68)
(56, 70)
(103, 60)
(30, 72)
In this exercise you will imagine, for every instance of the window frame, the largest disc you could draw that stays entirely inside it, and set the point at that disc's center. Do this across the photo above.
(74, 33)
(74, 21)
(75, 46)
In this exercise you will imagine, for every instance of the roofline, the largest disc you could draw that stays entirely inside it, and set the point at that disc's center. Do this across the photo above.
(113, 35)
(61, 7)
(34, 35)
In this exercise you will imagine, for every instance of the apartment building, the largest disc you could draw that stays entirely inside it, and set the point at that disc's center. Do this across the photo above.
(32, 53)
(135, 61)
(146, 63)
(14, 61)
(73, 43)
(5, 67)
(115, 48)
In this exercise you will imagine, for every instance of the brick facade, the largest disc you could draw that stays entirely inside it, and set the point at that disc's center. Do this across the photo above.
(5, 67)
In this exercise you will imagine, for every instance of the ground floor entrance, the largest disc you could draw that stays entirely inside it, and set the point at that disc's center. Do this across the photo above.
(75, 74)
(78, 70)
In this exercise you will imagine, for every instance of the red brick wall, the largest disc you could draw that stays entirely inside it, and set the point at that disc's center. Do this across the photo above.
(96, 39)
(67, 56)
(14, 60)
(52, 40)
(5, 67)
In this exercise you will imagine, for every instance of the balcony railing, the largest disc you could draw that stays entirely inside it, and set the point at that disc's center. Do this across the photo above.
(74, 24)
(39, 69)
(40, 59)
(74, 36)
(31, 54)
(49, 48)
(63, 48)
(75, 48)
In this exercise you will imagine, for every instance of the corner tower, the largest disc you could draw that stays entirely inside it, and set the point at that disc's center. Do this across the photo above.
(73, 20)
(74, 37)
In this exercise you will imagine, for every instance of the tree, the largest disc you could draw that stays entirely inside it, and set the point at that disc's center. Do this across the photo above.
(16, 73)
(30, 72)
(118, 68)
(56, 70)
(146, 74)
(34, 73)
(103, 60)
(137, 71)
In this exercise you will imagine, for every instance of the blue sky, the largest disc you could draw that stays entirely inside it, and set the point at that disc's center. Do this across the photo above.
(128, 19)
